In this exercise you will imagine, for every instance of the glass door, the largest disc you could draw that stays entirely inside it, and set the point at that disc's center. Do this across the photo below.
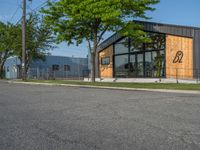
(148, 65)
(140, 65)
(121, 66)
(133, 66)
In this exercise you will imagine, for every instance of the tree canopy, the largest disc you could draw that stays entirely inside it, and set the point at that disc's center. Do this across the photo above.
(39, 40)
(7, 36)
(74, 21)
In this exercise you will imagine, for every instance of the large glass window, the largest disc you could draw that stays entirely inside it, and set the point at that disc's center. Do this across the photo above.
(140, 65)
(140, 60)
(133, 66)
(157, 42)
(158, 62)
(148, 64)
(122, 46)
(121, 66)
(136, 47)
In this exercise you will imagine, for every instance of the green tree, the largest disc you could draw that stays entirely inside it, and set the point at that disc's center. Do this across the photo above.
(74, 21)
(7, 36)
(39, 40)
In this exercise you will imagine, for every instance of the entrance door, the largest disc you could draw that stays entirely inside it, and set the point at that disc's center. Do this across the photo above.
(133, 66)
(136, 65)
(140, 65)
(148, 65)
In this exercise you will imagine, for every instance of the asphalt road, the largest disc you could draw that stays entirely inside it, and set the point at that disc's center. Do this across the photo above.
(67, 118)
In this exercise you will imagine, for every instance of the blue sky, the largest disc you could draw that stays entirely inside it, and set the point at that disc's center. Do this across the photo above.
(180, 12)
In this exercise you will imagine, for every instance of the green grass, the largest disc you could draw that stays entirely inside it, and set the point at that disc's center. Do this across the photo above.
(171, 86)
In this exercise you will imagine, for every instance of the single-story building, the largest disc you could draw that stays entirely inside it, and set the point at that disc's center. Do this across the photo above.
(52, 67)
(174, 51)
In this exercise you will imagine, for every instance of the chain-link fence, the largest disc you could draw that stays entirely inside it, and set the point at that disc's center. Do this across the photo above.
(183, 74)
(49, 74)
(177, 74)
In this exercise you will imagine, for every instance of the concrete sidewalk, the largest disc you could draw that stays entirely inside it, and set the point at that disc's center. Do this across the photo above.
(145, 80)
(105, 87)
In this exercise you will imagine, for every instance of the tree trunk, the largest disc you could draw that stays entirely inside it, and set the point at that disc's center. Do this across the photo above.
(93, 51)
(93, 57)
(26, 69)
(3, 58)
(1, 71)
(93, 66)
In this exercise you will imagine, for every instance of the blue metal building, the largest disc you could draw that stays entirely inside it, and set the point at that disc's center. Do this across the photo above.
(52, 67)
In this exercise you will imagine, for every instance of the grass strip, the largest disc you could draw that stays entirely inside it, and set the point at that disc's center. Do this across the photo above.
(171, 86)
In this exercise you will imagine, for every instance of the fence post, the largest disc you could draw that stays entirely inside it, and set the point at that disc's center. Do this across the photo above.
(38, 73)
(66, 75)
(47, 77)
(176, 75)
(197, 75)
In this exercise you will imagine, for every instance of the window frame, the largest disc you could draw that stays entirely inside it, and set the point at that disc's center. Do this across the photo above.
(67, 67)
(108, 63)
(55, 67)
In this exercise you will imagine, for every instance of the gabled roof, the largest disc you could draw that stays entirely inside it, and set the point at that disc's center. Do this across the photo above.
(185, 31)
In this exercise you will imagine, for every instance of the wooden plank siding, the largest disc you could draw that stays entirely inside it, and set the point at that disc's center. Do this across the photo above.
(184, 69)
(106, 71)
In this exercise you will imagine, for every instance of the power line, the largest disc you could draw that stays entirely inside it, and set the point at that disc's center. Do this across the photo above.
(15, 13)
(42, 5)
(29, 7)
(34, 9)
(19, 21)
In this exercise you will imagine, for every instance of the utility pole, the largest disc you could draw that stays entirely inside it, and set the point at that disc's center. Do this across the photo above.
(24, 41)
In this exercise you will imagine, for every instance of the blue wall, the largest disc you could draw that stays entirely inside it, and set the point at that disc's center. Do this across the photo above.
(78, 67)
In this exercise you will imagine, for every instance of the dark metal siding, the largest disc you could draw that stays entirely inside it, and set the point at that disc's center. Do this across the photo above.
(109, 41)
(168, 29)
(196, 52)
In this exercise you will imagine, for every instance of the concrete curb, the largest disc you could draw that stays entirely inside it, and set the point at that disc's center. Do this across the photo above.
(105, 87)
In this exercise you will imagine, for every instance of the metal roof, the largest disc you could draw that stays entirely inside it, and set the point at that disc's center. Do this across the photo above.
(185, 31)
